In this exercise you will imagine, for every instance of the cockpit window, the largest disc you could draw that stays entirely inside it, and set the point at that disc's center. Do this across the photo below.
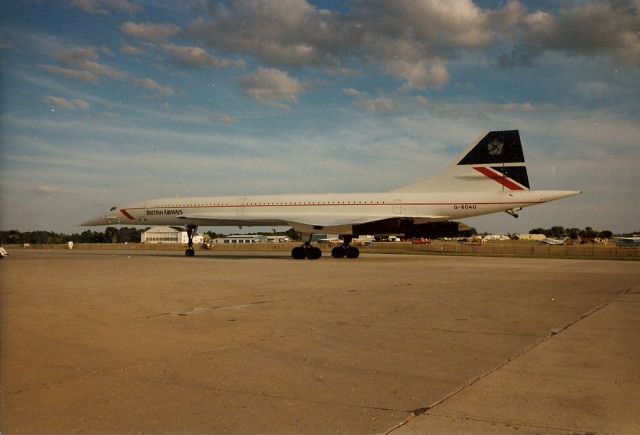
(112, 208)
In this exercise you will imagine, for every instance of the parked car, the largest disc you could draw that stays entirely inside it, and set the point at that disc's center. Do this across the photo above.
(421, 241)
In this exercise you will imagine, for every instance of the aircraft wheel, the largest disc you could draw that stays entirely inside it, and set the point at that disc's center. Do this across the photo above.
(353, 252)
(298, 253)
(189, 252)
(313, 253)
(338, 252)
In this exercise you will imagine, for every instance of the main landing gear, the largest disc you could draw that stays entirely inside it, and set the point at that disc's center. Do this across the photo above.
(313, 253)
(306, 251)
(345, 250)
(191, 230)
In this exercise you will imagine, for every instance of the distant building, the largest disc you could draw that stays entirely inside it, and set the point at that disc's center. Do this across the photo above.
(175, 235)
(278, 239)
(241, 239)
(538, 237)
(496, 237)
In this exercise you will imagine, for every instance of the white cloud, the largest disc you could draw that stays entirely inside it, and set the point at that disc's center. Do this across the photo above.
(47, 189)
(196, 57)
(122, 5)
(419, 74)
(413, 40)
(104, 7)
(408, 39)
(272, 87)
(436, 26)
(66, 104)
(379, 104)
(149, 31)
(609, 28)
(223, 118)
(93, 7)
(131, 50)
(85, 59)
(354, 92)
(74, 74)
(152, 85)
(82, 63)
(282, 32)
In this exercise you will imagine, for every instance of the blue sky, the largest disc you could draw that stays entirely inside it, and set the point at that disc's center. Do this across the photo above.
(110, 101)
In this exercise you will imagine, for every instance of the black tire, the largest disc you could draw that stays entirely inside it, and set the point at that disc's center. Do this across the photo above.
(313, 253)
(353, 252)
(190, 253)
(338, 252)
(298, 253)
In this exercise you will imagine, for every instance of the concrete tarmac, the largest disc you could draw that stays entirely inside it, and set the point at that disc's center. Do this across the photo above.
(155, 342)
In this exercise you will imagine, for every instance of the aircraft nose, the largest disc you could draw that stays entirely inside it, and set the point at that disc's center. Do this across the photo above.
(100, 220)
(109, 218)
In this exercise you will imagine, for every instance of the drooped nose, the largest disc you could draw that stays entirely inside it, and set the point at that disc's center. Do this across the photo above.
(109, 218)
(94, 222)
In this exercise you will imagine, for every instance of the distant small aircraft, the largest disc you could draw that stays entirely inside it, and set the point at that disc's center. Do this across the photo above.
(628, 242)
(550, 241)
(488, 177)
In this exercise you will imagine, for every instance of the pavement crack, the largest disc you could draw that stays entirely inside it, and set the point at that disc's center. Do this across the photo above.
(420, 411)
(197, 310)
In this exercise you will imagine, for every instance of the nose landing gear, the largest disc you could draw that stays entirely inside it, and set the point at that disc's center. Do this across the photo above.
(513, 212)
(191, 230)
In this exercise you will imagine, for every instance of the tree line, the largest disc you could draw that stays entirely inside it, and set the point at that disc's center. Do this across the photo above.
(109, 235)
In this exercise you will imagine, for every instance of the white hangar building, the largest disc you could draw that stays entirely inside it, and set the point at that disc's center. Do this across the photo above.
(168, 235)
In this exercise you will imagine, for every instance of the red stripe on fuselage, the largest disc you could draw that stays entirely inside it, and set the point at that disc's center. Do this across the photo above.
(329, 204)
(124, 212)
(496, 176)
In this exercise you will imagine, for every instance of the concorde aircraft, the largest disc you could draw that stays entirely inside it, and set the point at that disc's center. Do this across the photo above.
(489, 176)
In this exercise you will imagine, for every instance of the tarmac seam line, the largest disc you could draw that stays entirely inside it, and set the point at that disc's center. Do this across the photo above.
(554, 331)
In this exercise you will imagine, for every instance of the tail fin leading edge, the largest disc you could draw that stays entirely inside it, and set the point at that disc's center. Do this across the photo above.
(495, 162)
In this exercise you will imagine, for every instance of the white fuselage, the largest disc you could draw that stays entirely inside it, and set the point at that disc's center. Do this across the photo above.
(321, 210)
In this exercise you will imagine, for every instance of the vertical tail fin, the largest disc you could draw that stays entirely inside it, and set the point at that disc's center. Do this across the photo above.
(495, 162)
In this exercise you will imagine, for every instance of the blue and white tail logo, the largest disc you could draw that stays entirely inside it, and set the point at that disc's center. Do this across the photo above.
(494, 162)
(499, 157)
(495, 147)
